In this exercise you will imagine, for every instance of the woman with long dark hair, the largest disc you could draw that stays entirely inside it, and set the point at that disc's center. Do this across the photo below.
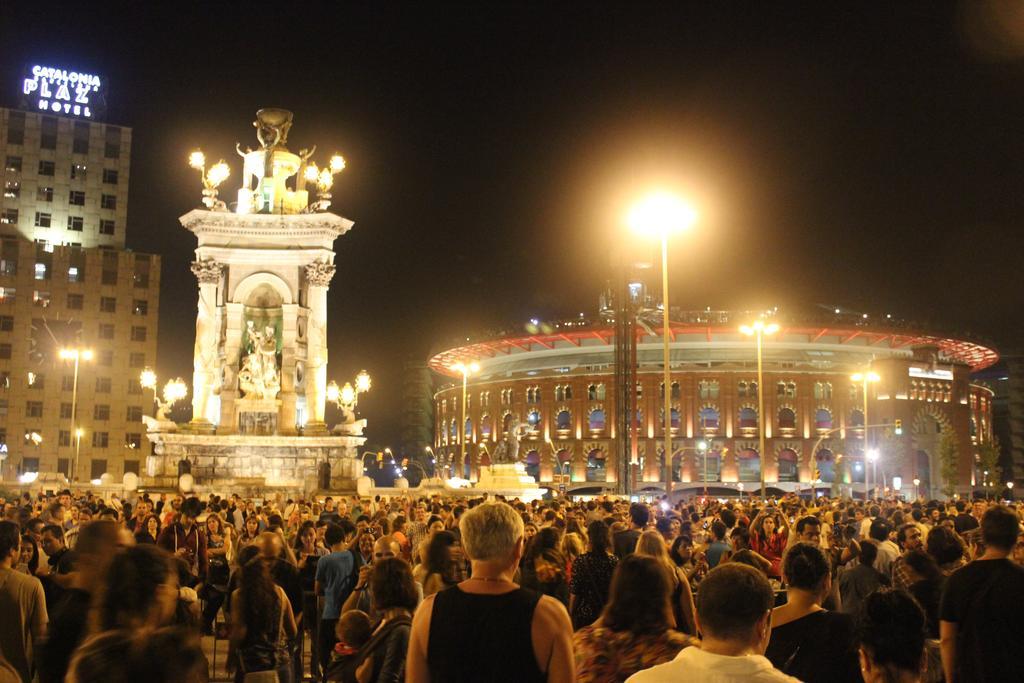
(635, 630)
(592, 576)
(543, 566)
(652, 544)
(148, 531)
(440, 569)
(808, 641)
(262, 624)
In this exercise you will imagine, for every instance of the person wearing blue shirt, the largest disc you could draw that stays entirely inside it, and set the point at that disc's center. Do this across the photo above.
(335, 578)
(718, 550)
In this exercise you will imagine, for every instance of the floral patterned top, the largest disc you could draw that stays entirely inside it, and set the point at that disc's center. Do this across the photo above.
(606, 656)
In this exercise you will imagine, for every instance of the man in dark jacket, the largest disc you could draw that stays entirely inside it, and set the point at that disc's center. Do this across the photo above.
(184, 538)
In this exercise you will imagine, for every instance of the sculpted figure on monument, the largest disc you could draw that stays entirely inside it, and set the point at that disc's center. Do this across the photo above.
(258, 377)
(507, 451)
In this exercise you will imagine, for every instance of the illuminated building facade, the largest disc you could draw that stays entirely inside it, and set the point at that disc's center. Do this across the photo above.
(67, 281)
(558, 380)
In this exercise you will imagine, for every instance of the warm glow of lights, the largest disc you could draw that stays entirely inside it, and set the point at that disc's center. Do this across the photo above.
(197, 160)
(337, 163)
(79, 432)
(325, 180)
(362, 382)
(661, 214)
(333, 392)
(470, 369)
(348, 394)
(872, 454)
(95, 482)
(862, 377)
(175, 390)
(312, 173)
(147, 378)
(218, 173)
(28, 477)
(758, 326)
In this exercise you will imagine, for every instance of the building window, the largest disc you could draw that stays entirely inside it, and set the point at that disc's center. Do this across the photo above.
(5, 351)
(102, 385)
(80, 146)
(41, 273)
(64, 438)
(134, 414)
(46, 168)
(98, 466)
(78, 171)
(596, 420)
(137, 360)
(6, 323)
(823, 391)
(33, 408)
(76, 223)
(106, 331)
(101, 412)
(76, 198)
(110, 176)
(67, 383)
(74, 274)
(43, 220)
(106, 358)
(13, 164)
(106, 227)
(30, 464)
(12, 189)
(111, 150)
(823, 419)
(40, 298)
(44, 194)
(108, 304)
(66, 410)
(134, 387)
(708, 389)
(596, 392)
(9, 217)
(138, 334)
(75, 301)
(747, 418)
(108, 201)
(132, 465)
(563, 421)
(787, 419)
(36, 381)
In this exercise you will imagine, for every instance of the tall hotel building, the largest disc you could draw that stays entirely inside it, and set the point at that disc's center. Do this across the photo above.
(67, 283)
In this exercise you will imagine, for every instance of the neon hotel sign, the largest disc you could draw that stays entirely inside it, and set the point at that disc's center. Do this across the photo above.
(61, 91)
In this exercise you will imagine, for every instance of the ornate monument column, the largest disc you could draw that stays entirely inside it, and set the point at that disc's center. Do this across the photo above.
(204, 364)
(318, 277)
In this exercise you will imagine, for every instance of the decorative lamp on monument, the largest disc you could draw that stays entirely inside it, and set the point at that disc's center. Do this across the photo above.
(346, 398)
(212, 178)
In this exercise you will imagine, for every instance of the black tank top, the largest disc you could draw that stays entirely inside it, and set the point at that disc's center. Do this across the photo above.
(483, 638)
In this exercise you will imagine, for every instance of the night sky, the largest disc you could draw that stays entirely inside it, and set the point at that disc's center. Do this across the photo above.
(866, 154)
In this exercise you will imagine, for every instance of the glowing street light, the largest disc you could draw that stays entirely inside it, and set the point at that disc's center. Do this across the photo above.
(758, 329)
(174, 391)
(211, 178)
(466, 370)
(347, 397)
(323, 178)
(660, 215)
(77, 355)
(865, 378)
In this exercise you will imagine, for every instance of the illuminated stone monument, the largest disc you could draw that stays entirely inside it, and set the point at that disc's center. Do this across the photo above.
(259, 383)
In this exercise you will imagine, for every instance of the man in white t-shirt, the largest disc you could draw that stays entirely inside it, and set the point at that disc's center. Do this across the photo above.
(734, 616)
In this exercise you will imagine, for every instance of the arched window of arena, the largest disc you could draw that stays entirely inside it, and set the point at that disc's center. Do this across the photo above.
(677, 466)
(823, 419)
(825, 461)
(469, 428)
(563, 421)
(568, 392)
(780, 389)
(748, 418)
(708, 389)
(453, 430)
(596, 466)
(600, 392)
(787, 418)
(466, 469)
(741, 389)
(532, 463)
(823, 391)
(485, 426)
(856, 417)
(533, 420)
(708, 418)
(788, 470)
(444, 406)
(752, 389)
(639, 391)
(974, 427)
(675, 418)
(596, 420)
(506, 423)
(675, 390)
(639, 418)
(559, 392)
(748, 462)
(485, 399)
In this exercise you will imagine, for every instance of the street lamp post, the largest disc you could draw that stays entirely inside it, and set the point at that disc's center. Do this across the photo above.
(758, 329)
(865, 378)
(702, 447)
(466, 370)
(660, 215)
(77, 355)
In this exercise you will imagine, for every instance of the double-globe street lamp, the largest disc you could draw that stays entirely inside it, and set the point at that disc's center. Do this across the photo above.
(871, 454)
(77, 354)
(758, 329)
(660, 215)
(466, 369)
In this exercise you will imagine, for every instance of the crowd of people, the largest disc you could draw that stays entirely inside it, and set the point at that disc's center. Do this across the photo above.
(482, 589)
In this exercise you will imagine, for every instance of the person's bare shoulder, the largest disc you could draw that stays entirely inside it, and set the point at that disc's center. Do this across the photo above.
(552, 613)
